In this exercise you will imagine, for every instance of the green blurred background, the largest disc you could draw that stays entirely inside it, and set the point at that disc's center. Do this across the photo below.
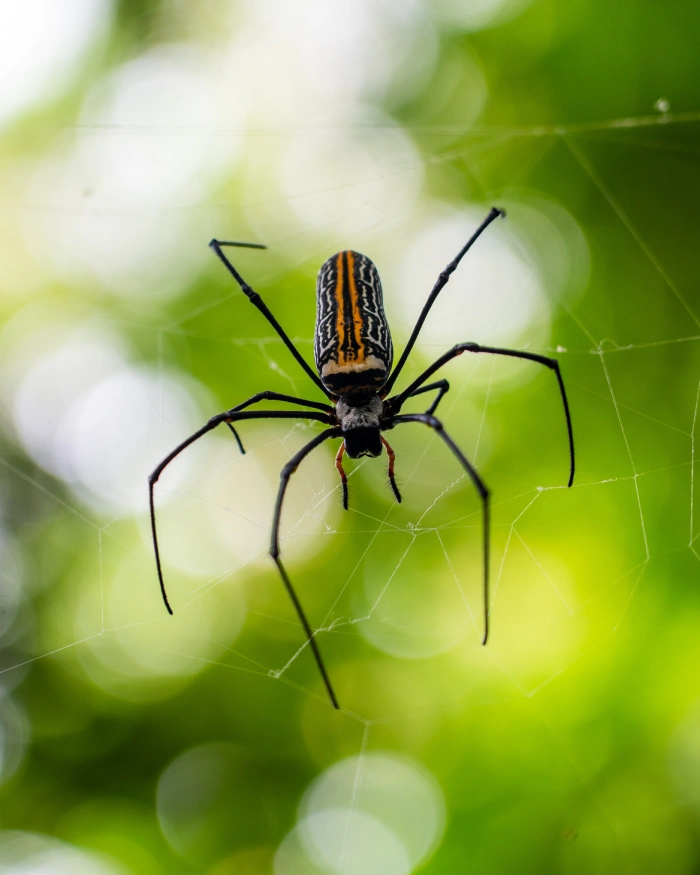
(131, 742)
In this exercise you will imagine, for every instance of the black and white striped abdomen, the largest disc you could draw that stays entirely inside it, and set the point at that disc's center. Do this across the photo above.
(353, 347)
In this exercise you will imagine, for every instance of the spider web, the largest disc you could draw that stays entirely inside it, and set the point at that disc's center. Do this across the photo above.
(394, 590)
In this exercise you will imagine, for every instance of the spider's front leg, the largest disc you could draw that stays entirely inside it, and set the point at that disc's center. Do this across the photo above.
(258, 302)
(267, 395)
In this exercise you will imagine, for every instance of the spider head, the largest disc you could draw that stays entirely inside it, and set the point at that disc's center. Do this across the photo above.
(359, 419)
(362, 442)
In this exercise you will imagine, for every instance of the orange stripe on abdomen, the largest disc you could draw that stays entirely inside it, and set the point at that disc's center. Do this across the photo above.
(340, 311)
(349, 322)
(357, 321)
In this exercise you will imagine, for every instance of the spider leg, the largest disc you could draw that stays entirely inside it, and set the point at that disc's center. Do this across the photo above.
(258, 302)
(238, 439)
(343, 475)
(442, 281)
(227, 417)
(392, 456)
(435, 424)
(397, 401)
(274, 396)
(285, 476)
(443, 388)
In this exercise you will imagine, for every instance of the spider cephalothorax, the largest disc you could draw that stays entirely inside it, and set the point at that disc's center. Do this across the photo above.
(354, 355)
(359, 418)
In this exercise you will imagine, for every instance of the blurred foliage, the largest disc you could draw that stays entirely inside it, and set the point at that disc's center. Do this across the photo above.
(570, 743)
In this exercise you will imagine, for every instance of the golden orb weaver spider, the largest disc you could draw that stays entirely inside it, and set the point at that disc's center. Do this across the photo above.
(354, 355)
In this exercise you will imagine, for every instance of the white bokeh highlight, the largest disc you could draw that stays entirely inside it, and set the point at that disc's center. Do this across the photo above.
(341, 841)
(42, 43)
(505, 289)
(128, 185)
(374, 813)
(475, 14)
(87, 416)
(315, 61)
(494, 297)
(24, 853)
(14, 736)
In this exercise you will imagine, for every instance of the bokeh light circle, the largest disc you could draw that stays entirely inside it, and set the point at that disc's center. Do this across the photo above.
(377, 806)
(342, 841)
(476, 14)
(41, 43)
(24, 853)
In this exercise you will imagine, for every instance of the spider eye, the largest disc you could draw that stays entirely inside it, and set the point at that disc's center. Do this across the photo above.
(363, 442)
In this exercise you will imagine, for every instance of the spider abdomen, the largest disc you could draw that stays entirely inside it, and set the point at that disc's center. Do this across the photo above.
(353, 347)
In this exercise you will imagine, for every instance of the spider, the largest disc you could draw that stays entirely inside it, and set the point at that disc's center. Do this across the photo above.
(354, 355)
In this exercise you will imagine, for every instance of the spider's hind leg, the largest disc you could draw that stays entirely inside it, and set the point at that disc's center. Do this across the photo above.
(392, 457)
